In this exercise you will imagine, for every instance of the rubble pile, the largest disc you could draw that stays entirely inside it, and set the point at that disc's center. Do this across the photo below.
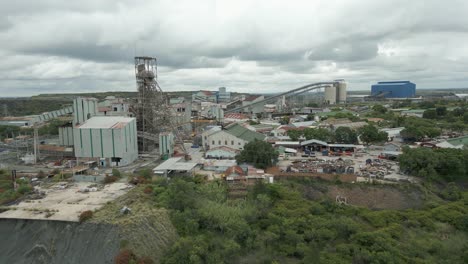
(377, 168)
(338, 166)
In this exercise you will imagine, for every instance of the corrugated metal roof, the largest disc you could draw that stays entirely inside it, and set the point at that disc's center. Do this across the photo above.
(106, 122)
(175, 164)
(312, 141)
(244, 133)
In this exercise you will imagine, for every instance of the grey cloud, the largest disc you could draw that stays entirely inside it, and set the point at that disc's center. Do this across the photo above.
(90, 44)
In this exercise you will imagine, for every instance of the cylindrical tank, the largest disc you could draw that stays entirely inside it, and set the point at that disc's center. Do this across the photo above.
(330, 94)
(341, 92)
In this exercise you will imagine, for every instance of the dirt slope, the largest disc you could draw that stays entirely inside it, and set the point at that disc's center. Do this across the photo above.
(147, 230)
(372, 197)
(38, 241)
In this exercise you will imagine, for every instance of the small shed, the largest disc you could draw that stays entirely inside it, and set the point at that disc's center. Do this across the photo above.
(392, 147)
(314, 145)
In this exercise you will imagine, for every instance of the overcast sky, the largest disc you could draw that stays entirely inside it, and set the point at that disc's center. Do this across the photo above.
(55, 46)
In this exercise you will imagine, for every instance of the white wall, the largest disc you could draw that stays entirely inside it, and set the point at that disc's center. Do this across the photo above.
(66, 136)
(82, 107)
(107, 143)
(221, 138)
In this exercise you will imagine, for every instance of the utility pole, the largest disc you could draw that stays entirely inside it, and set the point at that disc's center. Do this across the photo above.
(36, 152)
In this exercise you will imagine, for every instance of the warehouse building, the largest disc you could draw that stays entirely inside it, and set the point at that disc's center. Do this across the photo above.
(397, 89)
(109, 140)
(234, 136)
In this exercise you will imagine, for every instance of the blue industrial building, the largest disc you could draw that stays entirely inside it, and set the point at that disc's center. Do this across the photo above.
(397, 89)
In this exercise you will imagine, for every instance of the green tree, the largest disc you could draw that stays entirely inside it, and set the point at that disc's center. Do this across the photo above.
(370, 134)
(8, 131)
(430, 114)
(294, 134)
(259, 153)
(284, 120)
(412, 134)
(465, 118)
(318, 133)
(116, 173)
(345, 135)
(441, 111)
(379, 109)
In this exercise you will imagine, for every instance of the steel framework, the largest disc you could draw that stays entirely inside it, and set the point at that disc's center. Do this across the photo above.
(153, 114)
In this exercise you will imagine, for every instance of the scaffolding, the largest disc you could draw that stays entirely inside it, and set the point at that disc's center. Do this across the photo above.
(152, 111)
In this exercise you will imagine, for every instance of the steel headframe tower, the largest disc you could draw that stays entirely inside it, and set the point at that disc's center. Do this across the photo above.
(153, 115)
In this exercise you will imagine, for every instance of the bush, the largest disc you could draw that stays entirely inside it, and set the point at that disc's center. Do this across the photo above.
(145, 173)
(138, 180)
(23, 189)
(148, 190)
(41, 174)
(451, 192)
(116, 173)
(145, 260)
(86, 215)
(110, 179)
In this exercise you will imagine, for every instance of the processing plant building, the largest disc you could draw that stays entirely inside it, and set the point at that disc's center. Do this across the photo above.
(109, 140)
(396, 89)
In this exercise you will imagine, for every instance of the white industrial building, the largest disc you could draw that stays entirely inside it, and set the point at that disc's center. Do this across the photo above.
(109, 140)
(83, 109)
(234, 136)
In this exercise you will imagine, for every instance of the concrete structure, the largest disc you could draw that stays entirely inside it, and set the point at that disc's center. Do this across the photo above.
(84, 109)
(181, 114)
(221, 153)
(397, 89)
(17, 121)
(111, 141)
(112, 106)
(216, 112)
(66, 203)
(255, 109)
(330, 95)
(166, 144)
(341, 93)
(66, 135)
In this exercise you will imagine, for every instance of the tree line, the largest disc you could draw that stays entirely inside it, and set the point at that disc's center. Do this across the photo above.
(368, 134)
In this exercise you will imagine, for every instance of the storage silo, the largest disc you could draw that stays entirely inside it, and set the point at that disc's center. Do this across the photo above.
(330, 94)
(341, 92)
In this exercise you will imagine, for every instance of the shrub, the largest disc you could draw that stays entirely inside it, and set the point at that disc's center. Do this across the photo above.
(125, 256)
(41, 174)
(110, 179)
(138, 180)
(146, 173)
(85, 215)
(145, 260)
(23, 189)
(148, 190)
(116, 173)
